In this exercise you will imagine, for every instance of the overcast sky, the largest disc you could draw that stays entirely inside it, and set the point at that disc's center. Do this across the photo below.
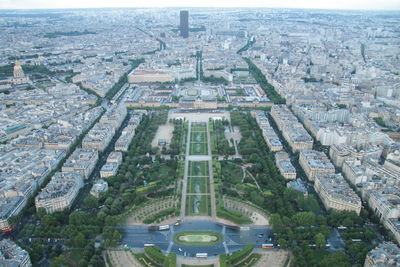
(320, 4)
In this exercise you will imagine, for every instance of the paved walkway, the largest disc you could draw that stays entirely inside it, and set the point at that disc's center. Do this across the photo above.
(122, 258)
(212, 193)
(185, 176)
(198, 158)
(273, 257)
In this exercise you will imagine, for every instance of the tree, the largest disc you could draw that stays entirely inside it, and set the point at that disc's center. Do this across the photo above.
(77, 218)
(282, 242)
(36, 252)
(48, 220)
(348, 222)
(58, 261)
(276, 222)
(303, 219)
(320, 240)
(82, 263)
(339, 259)
(90, 202)
(79, 240)
(41, 212)
(320, 220)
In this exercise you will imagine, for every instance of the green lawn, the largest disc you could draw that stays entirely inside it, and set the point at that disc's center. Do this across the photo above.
(198, 137)
(198, 185)
(198, 238)
(198, 168)
(203, 206)
(198, 148)
(198, 127)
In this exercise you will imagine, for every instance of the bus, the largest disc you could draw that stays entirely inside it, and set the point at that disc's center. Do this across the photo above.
(267, 245)
(163, 227)
(149, 245)
(201, 255)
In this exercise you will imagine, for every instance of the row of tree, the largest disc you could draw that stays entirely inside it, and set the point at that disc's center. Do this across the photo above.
(268, 88)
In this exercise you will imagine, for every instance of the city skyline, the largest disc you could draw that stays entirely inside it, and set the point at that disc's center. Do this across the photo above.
(182, 136)
(389, 5)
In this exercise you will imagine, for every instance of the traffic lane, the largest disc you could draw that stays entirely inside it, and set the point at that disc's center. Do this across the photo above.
(190, 251)
(252, 236)
(198, 226)
(139, 237)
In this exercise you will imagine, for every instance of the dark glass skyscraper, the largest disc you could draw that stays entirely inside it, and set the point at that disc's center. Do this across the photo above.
(184, 27)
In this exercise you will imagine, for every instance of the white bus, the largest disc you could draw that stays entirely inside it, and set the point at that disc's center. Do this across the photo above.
(201, 255)
(163, 227)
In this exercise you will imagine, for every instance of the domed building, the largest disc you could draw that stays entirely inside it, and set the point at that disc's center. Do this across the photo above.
(19, 76)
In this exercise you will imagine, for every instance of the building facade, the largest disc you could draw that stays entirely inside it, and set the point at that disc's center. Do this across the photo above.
(60, 192)
(184, 23)
(336, 194)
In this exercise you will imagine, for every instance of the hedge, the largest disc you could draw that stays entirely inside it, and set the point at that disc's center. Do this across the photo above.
(241, 254)
(161, 214)
(154, 253)
(147, 189)
(233, 216)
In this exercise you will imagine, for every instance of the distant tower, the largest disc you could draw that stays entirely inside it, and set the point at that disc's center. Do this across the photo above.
(184, 27)
(19, 76)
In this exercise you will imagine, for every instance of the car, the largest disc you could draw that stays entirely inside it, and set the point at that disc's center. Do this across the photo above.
(260, 235)
(180, 249)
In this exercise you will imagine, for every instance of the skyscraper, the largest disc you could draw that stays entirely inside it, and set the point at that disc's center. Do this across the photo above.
(184, 27)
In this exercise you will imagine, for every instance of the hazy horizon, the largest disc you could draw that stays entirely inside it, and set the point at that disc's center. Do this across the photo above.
(389, 5)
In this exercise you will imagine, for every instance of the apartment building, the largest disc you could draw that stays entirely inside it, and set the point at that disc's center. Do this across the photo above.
(335, 193)
(315, 163)
(60, 192)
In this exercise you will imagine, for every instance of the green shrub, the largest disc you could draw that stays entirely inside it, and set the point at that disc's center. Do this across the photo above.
(155, 254)
(170, 260)
(223, 261)
(241, 254)
(233, 216)
(159, 215)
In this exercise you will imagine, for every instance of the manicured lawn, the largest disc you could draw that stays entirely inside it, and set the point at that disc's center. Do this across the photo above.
(198, 137)
(198, 238)
(198, 185)
(198, 148)
(198, 127)
(198, 205)
(198, 168)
